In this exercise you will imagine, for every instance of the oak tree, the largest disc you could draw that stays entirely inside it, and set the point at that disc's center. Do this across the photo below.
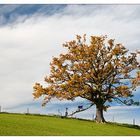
(100, 71)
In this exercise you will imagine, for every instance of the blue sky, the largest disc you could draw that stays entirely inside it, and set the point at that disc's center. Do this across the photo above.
(30, 35)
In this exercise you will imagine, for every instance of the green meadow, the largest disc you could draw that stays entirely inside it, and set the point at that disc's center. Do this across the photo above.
(41, 125)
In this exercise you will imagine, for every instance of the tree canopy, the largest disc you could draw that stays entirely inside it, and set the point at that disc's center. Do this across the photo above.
(101, 71)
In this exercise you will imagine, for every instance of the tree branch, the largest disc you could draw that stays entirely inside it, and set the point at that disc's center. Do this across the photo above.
(128, 102)
(80, 110)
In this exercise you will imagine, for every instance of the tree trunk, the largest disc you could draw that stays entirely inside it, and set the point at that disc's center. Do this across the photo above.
(99, 114)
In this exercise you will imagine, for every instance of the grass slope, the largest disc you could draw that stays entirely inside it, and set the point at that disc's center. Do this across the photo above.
(31, 125)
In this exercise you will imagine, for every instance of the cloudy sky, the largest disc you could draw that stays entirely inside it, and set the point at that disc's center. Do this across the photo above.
(30, 35)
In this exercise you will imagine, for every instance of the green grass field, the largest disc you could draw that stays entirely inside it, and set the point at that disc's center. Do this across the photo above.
(33, 125)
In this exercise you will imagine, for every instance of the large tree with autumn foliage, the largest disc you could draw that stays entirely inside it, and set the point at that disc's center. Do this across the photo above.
(101, 71)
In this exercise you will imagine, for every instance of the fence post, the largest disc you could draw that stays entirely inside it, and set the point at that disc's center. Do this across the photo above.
(59, 113)
(27, 110)
(93, 117)
(113, 119)
(133, 121)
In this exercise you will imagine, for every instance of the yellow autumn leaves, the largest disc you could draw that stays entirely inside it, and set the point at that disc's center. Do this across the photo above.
(86, 70)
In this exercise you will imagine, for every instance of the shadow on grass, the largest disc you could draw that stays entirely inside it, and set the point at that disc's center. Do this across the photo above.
(125, 125)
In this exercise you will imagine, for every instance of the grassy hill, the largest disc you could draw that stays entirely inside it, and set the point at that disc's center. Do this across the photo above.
(33, 125)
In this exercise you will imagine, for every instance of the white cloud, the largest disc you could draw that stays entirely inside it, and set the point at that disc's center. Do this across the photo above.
(26, 48)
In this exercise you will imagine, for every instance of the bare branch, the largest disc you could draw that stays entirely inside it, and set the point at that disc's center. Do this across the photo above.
(125, 102)
(80, 110)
